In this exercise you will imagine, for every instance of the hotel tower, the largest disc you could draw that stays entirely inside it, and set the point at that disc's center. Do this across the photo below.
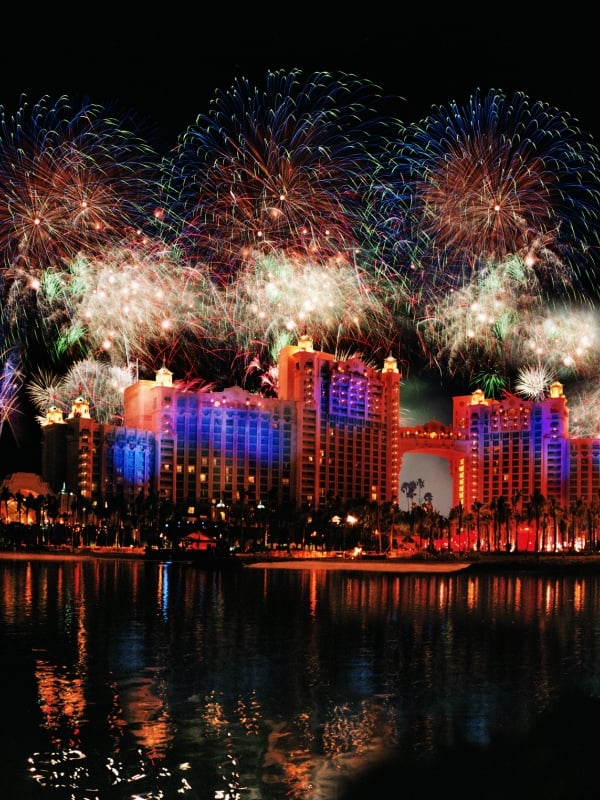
(332, 432)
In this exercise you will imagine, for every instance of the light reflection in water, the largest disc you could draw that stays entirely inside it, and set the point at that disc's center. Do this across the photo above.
(159, 681)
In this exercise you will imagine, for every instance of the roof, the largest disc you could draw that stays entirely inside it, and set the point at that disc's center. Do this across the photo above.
(25, 483)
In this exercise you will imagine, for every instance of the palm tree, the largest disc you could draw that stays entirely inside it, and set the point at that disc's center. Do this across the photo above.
(503, 523)
(5, 496)
(535, 508)
(468, 522)
(487, 517)
(593, 518)
(554, 511)
(20, 503)
(455, 518)
(476, 510)
(409, 489)
(516, 514)
(577, 511)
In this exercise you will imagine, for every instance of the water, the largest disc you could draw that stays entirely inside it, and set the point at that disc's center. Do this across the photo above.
(127, 679)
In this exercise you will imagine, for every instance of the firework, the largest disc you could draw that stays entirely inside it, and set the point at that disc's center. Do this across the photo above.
(584, 402)
(566, 338)
(481, 323)
(45, 390)
(282, 168)
(500, 320)
(533, 382)
(279, 297)
(101, 384)
(292, 207)
(131, 303)
(11, 381)
(71, 179)
(499, 177)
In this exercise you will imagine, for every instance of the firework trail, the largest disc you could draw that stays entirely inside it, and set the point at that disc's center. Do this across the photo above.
(498, 177)
(279, 297)
(500, 320)
(71, 179)
(101, 384)
(282, 168)
(11, 381)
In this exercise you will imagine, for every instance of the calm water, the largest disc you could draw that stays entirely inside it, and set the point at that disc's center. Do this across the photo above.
(126, 679)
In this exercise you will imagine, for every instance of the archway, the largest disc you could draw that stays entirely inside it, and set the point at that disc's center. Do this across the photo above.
(431, 452)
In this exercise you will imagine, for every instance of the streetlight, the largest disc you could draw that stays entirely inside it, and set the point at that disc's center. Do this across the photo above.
(260, 508)
(351, 521)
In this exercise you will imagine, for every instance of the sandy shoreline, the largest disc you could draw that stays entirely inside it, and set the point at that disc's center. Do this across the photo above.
(548, 563)
(349, 565)
(356, 565)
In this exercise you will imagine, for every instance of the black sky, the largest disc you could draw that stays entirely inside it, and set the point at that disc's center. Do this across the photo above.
(165, 64)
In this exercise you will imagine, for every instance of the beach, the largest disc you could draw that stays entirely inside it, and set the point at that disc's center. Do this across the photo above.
(549, 563)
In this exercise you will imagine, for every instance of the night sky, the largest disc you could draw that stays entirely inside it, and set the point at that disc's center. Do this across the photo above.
(166, 63)
(163, 63)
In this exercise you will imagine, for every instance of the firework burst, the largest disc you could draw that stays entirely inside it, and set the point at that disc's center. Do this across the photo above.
(584, 402)
(481, 323)
(500, 320)
(533, 381)
(283, 168)
(101, 384)
(278, 298)
(71, 179)
(131, 303)
(498, 177)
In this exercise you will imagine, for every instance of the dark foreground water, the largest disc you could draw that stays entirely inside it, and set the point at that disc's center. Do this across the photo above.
(127, 679)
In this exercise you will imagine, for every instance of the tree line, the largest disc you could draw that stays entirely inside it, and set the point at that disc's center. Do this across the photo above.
(520, 523)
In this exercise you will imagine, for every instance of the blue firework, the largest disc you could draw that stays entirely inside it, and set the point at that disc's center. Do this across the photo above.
(499, 176)
(283, 167)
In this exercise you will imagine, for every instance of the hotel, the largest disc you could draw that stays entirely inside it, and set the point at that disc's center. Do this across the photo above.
(332, 432)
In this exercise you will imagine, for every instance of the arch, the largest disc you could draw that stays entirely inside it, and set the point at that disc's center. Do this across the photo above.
(434, 439)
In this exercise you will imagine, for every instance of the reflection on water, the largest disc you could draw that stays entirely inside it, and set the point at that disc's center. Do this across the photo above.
(128, 679)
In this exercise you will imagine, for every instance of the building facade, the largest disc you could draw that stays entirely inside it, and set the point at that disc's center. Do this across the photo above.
(347, 426)
(511, 448)
(85, 457)
(331, 433)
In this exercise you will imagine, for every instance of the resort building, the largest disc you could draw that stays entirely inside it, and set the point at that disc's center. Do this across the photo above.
(513, 448)
(331, 433)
